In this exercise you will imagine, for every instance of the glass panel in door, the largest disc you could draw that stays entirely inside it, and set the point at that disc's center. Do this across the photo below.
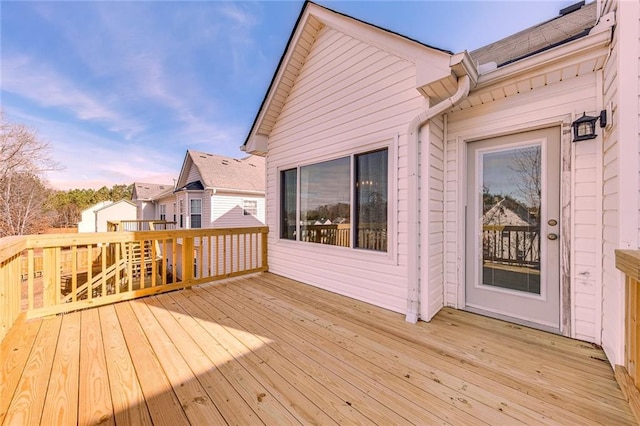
(511, 189)
(512, 228)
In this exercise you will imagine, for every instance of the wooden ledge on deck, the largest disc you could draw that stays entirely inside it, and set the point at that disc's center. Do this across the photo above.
(628, 261)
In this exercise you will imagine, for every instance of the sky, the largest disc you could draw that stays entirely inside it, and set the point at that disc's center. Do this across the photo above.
(121, 89)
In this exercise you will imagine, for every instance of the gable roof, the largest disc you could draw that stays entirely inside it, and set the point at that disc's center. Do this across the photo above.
(574, 22)
(149, 191)
(223, 173)
(310, 22)
(577, 23)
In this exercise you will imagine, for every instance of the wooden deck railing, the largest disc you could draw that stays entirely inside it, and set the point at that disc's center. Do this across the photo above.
(51, 274)
(628, 375)
(139, 225)
(369, 237)
(512, 245)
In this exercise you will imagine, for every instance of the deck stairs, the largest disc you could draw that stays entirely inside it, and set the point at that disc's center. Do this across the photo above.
(131, 263)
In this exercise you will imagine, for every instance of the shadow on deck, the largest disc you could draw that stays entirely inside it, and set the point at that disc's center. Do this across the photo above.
(265, 349)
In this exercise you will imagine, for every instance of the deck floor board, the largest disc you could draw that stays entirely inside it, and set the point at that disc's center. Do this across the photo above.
(267, 350)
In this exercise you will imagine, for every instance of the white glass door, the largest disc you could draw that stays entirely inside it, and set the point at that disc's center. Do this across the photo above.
(513, 228)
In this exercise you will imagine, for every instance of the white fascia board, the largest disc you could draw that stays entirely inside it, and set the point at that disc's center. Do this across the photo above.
(257, 144)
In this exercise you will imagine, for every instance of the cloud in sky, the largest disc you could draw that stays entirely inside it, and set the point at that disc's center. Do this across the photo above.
(122, 89)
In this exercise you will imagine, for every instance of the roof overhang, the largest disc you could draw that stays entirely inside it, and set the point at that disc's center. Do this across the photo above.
(573, 59)
(437, 84)
(234, 191)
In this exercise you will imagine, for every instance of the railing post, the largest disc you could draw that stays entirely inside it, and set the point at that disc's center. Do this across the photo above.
(187, 259)
(628, 375)
(265, 264)
(50, 274)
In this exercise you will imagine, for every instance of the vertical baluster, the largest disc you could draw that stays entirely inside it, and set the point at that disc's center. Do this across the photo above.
(89, 271)
(31, 274)
(224, 254)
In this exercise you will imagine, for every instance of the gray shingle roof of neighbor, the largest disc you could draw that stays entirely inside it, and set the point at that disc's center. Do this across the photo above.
(148, 191)
(216, 171)
(576, 22)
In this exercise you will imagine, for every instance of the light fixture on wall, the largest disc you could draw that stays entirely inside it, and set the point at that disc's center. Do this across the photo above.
(584, 128)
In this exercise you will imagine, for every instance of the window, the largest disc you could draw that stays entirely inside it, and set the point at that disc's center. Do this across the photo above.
(371, 200)
(250, 207)
(174, 212)
(181, 213)
(325, 196)
(163, 212)
(195, 212)
(288, 196)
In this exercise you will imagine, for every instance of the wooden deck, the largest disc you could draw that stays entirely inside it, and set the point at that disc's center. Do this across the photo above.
(264, 349)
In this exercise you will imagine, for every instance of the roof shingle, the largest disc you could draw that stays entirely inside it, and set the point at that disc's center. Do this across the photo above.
(216, 171)
(538, 38)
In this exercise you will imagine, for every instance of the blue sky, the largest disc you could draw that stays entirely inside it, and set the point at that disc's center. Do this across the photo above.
(122, 89)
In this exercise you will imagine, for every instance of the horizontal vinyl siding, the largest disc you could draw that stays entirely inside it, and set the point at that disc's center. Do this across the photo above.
(586, 267)
(621, 165)
(193, 175)
(227, 212)
(610, 213)
(347, 96)
(432, 217)
(510, 115)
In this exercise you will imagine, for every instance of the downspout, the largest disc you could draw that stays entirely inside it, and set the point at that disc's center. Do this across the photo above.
(464, 86)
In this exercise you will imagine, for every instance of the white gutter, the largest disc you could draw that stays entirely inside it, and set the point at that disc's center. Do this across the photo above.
(462, 66)
(215, 190)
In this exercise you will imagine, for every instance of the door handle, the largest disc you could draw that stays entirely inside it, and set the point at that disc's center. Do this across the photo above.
(552, 236)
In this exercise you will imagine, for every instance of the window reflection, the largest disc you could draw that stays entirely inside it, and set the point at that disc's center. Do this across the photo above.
(325, 207)
(511, 195)
(288, 185)
(323, 194)
(371, 200)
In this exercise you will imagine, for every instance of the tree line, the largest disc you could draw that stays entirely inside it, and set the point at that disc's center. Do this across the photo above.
(28, 204)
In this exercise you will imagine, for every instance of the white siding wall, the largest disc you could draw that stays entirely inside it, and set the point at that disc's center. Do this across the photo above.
(621, 165)
(168, 201)
(227, 211)
(147, 210)
(432, 218)
(193, 175)
(113, 213)
(544, 106)
(348, 96)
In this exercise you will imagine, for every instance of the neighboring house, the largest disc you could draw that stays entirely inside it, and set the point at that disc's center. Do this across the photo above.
(509, 213)
(146, 196)
(404, 136)
(213, 191)
(95, 218)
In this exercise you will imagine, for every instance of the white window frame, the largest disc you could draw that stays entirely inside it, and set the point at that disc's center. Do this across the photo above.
(391, 255)
(191, 214)
(251, 210)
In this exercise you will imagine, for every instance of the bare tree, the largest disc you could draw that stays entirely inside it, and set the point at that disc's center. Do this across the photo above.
(23, 159)
(23, 200)
(528, 164)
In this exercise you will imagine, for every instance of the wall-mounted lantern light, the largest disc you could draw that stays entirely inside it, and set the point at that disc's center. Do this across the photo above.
(584, 128)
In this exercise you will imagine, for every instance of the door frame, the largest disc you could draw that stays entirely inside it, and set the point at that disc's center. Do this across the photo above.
(563, 123)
